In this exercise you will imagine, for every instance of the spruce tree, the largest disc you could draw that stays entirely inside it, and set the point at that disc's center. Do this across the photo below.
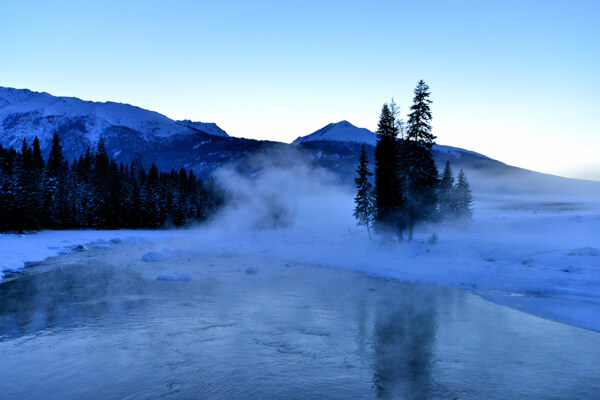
(36, 155)
(55, 165)
(389, 199)
(446, 194)
(365, 202)
(94, 191)
(420, 171)
(463, 199)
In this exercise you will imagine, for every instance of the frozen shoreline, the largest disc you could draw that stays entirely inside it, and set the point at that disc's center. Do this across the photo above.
(544, 262)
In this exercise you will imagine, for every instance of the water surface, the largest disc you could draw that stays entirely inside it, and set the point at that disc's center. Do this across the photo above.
(98, 325)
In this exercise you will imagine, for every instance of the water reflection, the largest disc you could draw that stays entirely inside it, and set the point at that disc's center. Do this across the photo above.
(63, 297)
(404, 335)
(282, 332)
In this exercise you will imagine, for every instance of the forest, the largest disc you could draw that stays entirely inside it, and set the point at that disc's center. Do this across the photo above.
(94, 191)
(407, 189)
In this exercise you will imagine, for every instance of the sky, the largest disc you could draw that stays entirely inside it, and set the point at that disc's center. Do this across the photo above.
(515, 80)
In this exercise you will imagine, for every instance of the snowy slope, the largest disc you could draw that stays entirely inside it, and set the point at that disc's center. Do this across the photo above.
(342, 131)
(208, 127)
(25, 114)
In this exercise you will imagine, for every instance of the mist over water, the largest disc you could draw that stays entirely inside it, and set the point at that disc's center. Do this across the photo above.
(270, 309)
(105, 327)
(284, 193)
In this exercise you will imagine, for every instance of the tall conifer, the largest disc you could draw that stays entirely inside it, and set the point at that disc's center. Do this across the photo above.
(389, 199)
(421, 173)
(364, 210)
(446, 193)
(464, 199)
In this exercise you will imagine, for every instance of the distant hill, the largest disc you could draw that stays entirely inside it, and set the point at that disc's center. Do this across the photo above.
(342, 131)
(132, 132)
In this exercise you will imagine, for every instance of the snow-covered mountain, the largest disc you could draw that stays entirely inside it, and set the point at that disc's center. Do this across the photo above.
(25, 114)
(342, 131)
(131, 132)
(208, 127)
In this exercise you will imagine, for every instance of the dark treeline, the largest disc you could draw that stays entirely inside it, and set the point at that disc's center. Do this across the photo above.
(95, 192)
(407, 189)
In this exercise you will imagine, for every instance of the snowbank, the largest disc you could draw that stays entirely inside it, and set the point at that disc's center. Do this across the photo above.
(16, 250)
(538, 256)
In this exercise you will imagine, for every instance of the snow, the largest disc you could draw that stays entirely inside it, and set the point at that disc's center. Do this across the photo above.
(342, 131)
(455, 151)
(208, 127)
(17, 250)
(537, 254)
(41, 114)
(156, 255)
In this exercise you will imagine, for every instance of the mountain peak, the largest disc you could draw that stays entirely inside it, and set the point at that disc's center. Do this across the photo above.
(208, 127)
(25, 114)
(342, 131)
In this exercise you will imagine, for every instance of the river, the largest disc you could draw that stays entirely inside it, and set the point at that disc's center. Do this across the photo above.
(99, 325)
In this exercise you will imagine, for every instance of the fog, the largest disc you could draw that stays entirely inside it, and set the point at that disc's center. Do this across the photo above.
(295, 196)
(519, 241)
(542, 246)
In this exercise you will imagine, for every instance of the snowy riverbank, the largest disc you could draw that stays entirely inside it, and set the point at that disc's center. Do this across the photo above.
(542, 258)
(17, 250)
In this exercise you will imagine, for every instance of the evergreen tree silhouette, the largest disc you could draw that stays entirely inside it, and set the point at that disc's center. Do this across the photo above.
(364, 210)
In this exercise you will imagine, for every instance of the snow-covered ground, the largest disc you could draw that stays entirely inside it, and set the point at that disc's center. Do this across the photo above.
(541, 256)
(17, 250)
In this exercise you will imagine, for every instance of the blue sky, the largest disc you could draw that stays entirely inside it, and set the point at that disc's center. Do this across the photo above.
(515, 80)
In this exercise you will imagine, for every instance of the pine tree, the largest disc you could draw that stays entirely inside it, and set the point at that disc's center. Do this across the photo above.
(94, 191)
(420, 171)
(152, 210)
(463, 199)
(364, 210)
(36, 157)
(389, 199)
(446, 194)
(55, 165)
(419, 120)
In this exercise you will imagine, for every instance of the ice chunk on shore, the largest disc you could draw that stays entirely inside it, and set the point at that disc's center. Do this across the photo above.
(156, 255)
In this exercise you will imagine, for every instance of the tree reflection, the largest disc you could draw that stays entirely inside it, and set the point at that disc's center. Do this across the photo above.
(61, 297)
(405, 331)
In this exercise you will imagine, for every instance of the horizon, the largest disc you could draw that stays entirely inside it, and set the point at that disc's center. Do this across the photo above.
(304, 135)
(500, 73)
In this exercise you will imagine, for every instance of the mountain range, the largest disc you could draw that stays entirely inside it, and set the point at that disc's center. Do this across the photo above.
(131, 133)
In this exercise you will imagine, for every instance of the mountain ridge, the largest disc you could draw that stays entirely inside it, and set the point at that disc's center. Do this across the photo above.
(25, 114)
(131, 132)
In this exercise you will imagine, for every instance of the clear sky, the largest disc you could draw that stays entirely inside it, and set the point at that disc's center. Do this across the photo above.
(518, 81)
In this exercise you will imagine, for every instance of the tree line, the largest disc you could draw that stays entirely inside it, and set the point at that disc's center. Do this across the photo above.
(95, 192)
(407, 189)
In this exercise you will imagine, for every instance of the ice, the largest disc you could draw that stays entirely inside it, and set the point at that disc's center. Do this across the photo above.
(517, 244)
(156, 255)
(16, 250)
